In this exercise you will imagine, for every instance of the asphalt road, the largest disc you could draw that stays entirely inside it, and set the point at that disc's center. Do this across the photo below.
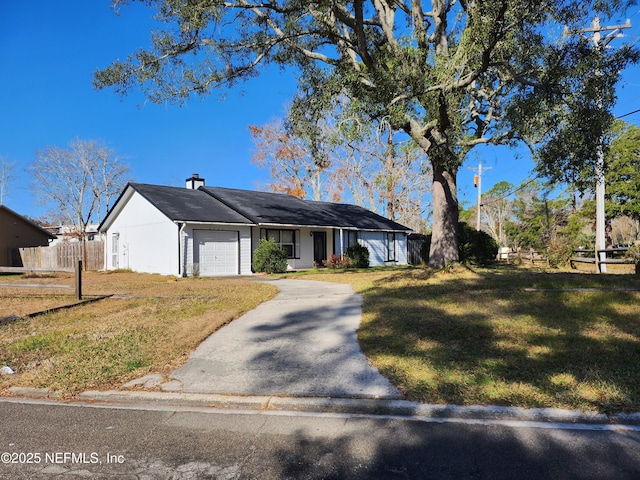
(52, 440)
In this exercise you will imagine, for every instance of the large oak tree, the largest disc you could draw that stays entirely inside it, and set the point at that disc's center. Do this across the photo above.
(452, 74)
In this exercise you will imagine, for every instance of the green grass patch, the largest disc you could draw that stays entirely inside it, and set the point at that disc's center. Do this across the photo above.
(504, 336)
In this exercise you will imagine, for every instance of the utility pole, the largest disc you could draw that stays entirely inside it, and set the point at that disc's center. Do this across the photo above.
(477, 182)
(600, 43)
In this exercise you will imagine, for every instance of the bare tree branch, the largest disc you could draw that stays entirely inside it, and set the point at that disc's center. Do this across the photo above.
(79, 181)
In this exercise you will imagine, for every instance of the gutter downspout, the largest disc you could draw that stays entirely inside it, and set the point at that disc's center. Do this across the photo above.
(181, 270)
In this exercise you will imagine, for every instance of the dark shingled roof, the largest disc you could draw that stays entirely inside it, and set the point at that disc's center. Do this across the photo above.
(182, 204)
(348, 215)
(246, 207)
(270, 208)
(265, 208)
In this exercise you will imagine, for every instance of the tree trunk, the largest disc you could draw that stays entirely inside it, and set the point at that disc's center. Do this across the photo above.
(444, 239)
(391, 204)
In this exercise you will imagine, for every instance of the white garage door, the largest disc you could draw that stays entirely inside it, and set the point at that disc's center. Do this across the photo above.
(216, 252)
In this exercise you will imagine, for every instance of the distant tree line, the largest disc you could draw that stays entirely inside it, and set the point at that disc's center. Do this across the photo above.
(535, 216)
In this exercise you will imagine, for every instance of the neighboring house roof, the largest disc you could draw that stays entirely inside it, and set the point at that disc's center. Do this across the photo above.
(228, 205)
(28, 222)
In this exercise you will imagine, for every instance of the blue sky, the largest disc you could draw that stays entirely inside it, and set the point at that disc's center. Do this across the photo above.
(49, 51)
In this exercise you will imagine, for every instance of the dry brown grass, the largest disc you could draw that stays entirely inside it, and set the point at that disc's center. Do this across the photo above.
(151, 324)
(52, 291)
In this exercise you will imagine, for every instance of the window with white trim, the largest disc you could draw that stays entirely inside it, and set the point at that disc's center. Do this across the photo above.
(115, 250)
(390, 244)
(287, 239)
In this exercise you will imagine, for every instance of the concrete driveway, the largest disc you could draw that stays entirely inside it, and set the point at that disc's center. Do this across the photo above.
(303, 343)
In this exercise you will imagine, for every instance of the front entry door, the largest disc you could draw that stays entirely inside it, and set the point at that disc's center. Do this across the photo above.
(319, 247)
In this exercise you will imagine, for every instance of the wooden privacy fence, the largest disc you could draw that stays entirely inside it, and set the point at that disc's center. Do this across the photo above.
(414, 244)
(64, 256)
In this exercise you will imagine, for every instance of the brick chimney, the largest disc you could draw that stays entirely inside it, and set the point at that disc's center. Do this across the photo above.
(195, 182)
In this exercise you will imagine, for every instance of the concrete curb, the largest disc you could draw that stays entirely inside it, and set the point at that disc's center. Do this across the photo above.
(33, 392)
(357, 406)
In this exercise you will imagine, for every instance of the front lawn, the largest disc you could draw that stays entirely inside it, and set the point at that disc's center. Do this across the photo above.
(151, 324)
(503, 336)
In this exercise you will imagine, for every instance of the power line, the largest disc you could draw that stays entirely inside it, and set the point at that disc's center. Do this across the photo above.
(600, 42)
(610, 37)
(634, 14)
(627, 114)
(477, 182)
(528, 182)
(522, 186)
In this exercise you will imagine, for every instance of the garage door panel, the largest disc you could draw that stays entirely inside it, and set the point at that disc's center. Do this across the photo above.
(216, 252)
